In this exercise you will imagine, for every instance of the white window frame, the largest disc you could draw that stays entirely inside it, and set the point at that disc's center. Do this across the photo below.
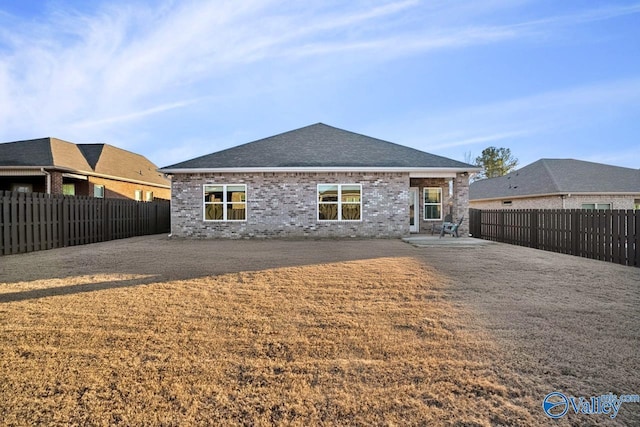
(597, 206)
(340, 202)
(137, 195)
(22, 188)
(98, 191)
(148, 196)
(425, 203)
(224, 203)
(69, 189)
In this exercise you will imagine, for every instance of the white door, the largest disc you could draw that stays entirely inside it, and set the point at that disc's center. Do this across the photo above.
(414, 210)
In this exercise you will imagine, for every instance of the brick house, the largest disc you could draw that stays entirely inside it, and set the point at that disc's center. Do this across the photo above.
(54, 166)
(560, 184)
(316, 181)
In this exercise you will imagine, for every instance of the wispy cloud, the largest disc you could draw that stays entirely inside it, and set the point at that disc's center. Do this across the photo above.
(436, 144)
(130, 62)
(134, 115)
(586, 16)
(561, 106)
(125, 60)
(546, 118)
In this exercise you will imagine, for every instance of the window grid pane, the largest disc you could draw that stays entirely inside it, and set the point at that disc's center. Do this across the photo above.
(213, 212)
(327, 193)
(432, 212)
(433, 195)
(328, 211)
(350, 194)
(351, 212)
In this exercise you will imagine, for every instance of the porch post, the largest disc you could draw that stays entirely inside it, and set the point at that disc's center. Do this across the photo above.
(461, 201)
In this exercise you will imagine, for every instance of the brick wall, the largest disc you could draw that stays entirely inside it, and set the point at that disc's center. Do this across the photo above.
(126, 190)
(461, 201)
(56, 182)
(285, 205)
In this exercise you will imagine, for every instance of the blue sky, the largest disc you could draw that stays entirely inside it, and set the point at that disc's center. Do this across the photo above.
(176, 79)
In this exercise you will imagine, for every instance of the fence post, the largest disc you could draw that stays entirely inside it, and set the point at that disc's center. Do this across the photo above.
(533, 221)
(626, 238)
(636, 245)
(64, 237)
(6, 219)
(575, 232)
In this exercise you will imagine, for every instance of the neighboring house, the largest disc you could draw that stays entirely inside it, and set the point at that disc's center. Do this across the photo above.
(316, 181)
(560, 184)
(54, 166)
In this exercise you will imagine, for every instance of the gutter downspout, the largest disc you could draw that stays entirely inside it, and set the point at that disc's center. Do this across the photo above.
(48, 175)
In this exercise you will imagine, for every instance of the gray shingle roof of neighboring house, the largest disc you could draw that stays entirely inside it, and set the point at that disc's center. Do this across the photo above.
(319, 146)
(43, 152)
(558, 176)
(92, 159)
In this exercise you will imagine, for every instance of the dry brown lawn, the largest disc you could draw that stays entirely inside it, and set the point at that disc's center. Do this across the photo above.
(151, 331)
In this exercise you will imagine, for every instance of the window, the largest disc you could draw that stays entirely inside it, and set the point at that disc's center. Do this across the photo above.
(148, 196)
(22, 188)
(339, 202)
(507, 203)
(636, 205)
(433, 203)
(596, 206)
(69, 189)
(98, 191)
(137, 195)
(225, 202)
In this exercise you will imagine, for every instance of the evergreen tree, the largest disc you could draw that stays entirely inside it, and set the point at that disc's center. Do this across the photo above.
(495, 162)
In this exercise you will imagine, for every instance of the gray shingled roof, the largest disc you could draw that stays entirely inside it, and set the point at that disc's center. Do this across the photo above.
(103, 159)
(91, 152)
(43, 152)
(36, 152)
(558, 176)
(319, 145)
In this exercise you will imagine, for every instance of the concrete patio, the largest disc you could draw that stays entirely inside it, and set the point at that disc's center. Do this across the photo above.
(427, 241)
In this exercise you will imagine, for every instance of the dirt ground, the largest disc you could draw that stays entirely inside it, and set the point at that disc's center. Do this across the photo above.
(379, 332)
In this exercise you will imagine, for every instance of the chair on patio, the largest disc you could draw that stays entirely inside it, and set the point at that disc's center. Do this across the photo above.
(451, 228)
(438, 226)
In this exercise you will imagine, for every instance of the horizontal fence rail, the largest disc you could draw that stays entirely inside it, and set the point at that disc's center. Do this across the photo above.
(607, 235)
(35, 221)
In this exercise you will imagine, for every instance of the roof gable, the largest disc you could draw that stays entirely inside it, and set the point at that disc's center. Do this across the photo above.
(43, 152)
(113, 161)
(319, 145)
(558, 176)
(96, 159)
(68, 155)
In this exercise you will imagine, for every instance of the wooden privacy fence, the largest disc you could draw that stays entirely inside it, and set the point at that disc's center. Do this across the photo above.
(607, 235)
(34, 221)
